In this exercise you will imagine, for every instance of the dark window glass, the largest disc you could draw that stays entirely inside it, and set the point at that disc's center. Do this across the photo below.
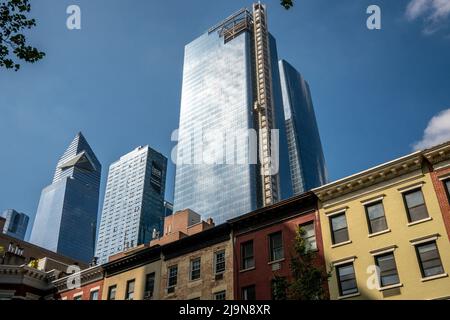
(195, 269)
(388, 269)
(112, 293)
(376, 217)
(220, 295)
(415, 205)
(219, 258)
(173, 275)
(276, 246)
(429, 259)
(247, 255)
(93, 295)
(310, 235)
(149, 285)
(249, 293)
(79, 297)
(129, 295)
(339, 228)
(347, 279)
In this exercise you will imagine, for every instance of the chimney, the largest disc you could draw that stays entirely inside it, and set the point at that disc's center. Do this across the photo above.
(210, 221)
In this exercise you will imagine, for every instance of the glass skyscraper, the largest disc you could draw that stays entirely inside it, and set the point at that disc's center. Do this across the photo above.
(231, 84)
(308, 169)
(134, 202)
(67, 213)
(16, 224)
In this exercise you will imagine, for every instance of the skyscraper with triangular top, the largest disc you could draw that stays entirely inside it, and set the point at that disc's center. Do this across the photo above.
(66, 218)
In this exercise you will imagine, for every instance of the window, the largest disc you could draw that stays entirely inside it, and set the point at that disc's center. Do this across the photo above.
(129, 295)
(415, 205)
(429, 259)
(112, 292)
(220, 295)
(173, 275)
(248, 260)
(249, 293)
(346, 279)
(375, 217)
(310, 235)
(388, 269)
(195, 269)
(276, 246)
(149, 285)
(78, 297)
(93, 295)
(219, 262)
(339, 229)
(447, 188)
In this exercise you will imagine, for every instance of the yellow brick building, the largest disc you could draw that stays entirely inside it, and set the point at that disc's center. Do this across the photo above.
(133, 276)
(383, 233)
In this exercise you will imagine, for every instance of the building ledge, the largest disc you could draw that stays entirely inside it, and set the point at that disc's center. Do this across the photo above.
(349, 296)
(438, 276)
(419, 221)
(248, 269)
(341, 244)
(398, 285)
(371, 235)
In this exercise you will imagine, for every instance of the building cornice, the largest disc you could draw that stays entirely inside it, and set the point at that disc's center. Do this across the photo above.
(370, 177)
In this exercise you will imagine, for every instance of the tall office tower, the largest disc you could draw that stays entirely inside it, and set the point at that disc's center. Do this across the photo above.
(67, 213)
(134, 202)
(231, 84)
(168, 208)
(16, 224)
(306, 158)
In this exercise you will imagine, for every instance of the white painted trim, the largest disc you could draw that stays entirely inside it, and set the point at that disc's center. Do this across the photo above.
(428, 239)
(370, 201)
(78, 294)
(371, 235)
(349, 296)
(94, 289)
(379, 253)
(444, 177)
(340, 244)
(336, 212)
(410, 224)
(340, 263)
(412, 187)
(438, 276)
(398, 285)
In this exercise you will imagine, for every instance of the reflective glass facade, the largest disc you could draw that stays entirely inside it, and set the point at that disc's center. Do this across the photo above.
(67, 213)
(219, 94)
(305, 148)
(16, 224)
(134, 202)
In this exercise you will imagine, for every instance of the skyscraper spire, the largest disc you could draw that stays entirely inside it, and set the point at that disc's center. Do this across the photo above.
(68, 207)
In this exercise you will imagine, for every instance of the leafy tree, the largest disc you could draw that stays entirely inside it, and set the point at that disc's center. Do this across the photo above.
(33, 264)
(308, 279)
(13, 21)
(287, 4)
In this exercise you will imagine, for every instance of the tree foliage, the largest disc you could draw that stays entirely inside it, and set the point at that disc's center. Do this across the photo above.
(287, 4)
(308, 279)
(13, 44)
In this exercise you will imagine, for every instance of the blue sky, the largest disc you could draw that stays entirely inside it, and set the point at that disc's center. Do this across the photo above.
(118, 80)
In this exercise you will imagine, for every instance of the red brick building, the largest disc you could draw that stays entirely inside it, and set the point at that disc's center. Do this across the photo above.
(439, 159)
(264, 244)
(91, 286)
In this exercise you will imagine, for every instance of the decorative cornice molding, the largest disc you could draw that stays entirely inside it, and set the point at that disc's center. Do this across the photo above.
(370, 177)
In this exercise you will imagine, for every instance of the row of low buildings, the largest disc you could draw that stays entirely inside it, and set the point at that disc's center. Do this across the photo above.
(391, 223)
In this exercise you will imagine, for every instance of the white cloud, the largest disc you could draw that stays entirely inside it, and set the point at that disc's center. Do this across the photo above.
(434, 13)
(437, 131)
